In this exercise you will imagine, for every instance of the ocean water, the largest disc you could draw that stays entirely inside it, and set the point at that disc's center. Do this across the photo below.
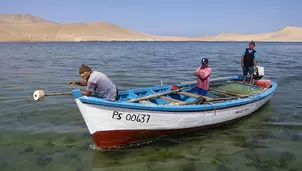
(51, 134)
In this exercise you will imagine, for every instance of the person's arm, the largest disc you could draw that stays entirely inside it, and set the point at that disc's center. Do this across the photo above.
(80, 83)
(86, 92)
(90, 89)
(256, 55)
(255, 59)
(242, 59)
(199, 73)
(196, 73)
(203, 73)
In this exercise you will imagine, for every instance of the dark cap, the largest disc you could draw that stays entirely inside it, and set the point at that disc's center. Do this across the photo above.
(252, 43)
(204, 61)
(84, 68)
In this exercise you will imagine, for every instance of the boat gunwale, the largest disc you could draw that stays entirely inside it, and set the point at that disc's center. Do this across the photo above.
(180, 108)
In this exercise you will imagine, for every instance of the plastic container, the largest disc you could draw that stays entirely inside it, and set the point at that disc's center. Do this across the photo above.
(260, 71)
(263, 83)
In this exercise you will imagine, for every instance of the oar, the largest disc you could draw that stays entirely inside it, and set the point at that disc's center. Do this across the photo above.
(157, 95)
(269, 86)
(40, 94)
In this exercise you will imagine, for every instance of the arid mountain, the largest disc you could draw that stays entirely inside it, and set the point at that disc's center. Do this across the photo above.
(28, 28)
(20, 19)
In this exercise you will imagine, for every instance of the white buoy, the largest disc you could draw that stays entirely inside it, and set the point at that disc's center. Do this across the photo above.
(39, 95)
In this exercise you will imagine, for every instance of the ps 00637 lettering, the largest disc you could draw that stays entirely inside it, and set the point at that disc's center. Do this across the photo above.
(141, 118)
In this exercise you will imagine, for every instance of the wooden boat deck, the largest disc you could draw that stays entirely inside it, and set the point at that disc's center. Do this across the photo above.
(185, 96)
(164, 98)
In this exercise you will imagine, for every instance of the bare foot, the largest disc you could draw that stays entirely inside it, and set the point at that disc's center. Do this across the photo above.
(243, 82)
(250, 84)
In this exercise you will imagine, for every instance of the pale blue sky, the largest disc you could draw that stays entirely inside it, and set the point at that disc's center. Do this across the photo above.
(169, 17)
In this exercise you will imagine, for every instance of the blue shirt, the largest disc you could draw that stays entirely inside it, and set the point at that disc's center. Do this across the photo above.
(255, 54)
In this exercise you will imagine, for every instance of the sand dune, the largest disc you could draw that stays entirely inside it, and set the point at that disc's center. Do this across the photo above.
(288, 34)
(28, 28)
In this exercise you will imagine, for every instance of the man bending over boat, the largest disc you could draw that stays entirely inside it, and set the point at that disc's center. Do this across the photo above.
(248, 62)
(203, 74)
(97, 83)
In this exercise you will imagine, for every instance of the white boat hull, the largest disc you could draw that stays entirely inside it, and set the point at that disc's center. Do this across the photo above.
(115, 126)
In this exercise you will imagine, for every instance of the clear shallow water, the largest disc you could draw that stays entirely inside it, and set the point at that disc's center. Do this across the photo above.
(52, 135)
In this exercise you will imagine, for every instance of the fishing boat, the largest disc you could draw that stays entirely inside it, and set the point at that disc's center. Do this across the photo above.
(146, 113)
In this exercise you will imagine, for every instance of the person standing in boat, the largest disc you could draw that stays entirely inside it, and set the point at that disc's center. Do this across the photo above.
(249, 61)
(97, 83)
(203, 74)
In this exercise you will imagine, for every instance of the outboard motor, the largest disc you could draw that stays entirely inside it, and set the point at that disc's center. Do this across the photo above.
(258, 73)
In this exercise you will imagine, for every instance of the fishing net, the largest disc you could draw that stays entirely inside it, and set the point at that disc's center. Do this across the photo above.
(234, 88)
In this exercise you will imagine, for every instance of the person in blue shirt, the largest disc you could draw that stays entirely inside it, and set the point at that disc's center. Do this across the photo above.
(249, 61)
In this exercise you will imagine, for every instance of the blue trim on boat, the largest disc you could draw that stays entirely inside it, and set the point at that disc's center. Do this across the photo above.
(175, 108)
(77, 93)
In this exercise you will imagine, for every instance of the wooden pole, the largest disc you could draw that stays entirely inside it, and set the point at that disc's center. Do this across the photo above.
(55, 94)
(40, 94)
(157, 95)
(266, 88)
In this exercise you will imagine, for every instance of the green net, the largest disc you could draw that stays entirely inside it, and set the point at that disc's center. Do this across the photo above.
(233, 87)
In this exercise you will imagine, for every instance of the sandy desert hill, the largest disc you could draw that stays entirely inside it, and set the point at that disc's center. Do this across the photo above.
(287, 34)
(28, 28)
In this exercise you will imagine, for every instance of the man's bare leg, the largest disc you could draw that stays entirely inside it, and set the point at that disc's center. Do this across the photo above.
(244, 79)
(251, 79)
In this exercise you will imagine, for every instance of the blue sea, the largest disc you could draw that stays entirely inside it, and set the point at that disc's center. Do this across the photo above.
(52, 135)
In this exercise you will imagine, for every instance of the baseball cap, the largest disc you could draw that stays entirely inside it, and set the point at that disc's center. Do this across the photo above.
(204, 61)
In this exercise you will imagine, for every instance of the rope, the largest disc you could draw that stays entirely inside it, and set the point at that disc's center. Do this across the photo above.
(204, 109)
(213, 107)
(214, 111)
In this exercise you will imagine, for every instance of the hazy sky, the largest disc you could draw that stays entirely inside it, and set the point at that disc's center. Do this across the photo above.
(169, 17)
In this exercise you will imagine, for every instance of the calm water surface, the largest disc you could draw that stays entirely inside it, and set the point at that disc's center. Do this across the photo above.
(51, 134)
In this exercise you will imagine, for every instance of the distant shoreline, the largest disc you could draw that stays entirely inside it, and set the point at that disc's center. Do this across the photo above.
(141, 41)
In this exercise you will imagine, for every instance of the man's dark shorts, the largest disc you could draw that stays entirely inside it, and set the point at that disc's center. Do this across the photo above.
(200, 91)
(248, 69)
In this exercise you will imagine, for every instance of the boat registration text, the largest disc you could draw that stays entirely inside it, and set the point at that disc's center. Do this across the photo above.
(238, 112)
(140, 118)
